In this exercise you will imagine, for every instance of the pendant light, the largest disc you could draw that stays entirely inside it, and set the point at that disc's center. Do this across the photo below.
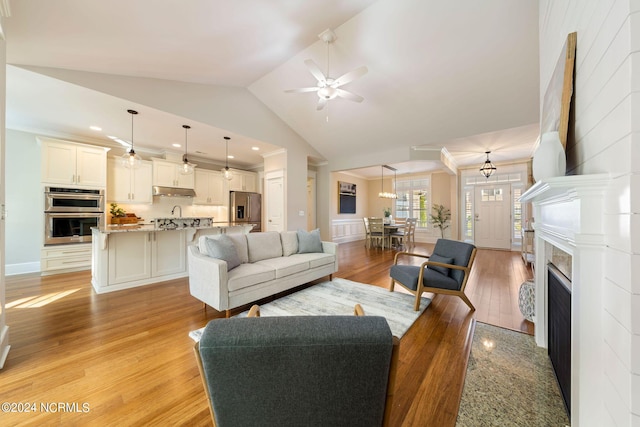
(186, 168)
(130, 159)
(226, 172)
(488, 168)
(383, 194)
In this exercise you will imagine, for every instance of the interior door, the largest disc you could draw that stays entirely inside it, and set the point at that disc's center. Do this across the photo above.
(274, 202)
(493, 216)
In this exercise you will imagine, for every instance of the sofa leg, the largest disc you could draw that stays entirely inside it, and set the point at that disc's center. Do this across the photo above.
(204, 306)
(227, 314)
(331, 277)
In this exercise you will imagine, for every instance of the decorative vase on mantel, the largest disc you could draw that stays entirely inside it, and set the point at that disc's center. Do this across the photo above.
(549, 159)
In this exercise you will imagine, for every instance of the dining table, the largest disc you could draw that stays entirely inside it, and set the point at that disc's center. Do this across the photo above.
(392, 228)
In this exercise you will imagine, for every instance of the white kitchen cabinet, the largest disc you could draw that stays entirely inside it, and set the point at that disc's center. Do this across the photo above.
(65, 258)
(136, 256)
(126, 185)
(166, 174)
(209, 188)
(67, 163)
(243, 181)
(168, 253)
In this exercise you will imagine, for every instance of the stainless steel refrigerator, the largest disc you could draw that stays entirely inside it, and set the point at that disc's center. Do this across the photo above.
(246, 207)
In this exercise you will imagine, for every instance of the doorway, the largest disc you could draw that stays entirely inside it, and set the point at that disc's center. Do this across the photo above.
(274, 198)
(492, 216)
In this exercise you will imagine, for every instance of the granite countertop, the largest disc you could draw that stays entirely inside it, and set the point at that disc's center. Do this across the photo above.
(180, 224)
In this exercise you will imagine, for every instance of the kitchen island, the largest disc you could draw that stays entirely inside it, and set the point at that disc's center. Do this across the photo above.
(127, 256)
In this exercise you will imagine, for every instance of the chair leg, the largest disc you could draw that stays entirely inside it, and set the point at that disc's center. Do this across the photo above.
(416, 306)
(392, 285)
(467, 301)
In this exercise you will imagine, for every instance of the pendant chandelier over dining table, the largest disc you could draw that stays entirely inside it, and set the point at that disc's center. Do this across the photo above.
(383, 194)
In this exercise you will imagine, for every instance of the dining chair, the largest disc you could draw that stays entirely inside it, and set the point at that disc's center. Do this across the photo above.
(367, 233)
(378, 234)
(446, 271)
(412, 223)
(400, 236)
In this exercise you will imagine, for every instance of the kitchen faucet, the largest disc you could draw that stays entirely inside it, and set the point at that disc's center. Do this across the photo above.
(174, 208)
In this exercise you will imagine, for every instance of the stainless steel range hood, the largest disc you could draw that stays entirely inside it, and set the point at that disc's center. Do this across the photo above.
(173, 191)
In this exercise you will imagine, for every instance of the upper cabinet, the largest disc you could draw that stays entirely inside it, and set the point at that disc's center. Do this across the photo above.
(68, 163)
(243, 181)
(167, 174)
(129, 185)
(209, 188)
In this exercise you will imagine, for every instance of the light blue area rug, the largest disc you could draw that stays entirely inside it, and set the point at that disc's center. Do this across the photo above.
(338, 297)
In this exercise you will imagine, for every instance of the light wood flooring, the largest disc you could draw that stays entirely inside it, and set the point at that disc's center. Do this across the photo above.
(125, 358)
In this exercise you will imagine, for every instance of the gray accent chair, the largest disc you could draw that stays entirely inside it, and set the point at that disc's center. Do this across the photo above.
(446, 271)
(298, 370)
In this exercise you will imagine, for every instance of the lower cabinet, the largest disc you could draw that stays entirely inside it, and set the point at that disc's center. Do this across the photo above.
(137, 258)
(65, 258)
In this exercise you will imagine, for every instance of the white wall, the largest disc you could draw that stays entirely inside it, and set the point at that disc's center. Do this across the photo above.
(607, 136)
(25, 203)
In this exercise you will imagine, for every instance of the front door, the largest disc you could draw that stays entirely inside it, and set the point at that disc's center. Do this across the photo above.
(493, 216)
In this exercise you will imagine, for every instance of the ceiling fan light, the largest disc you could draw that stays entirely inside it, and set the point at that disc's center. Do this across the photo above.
(327, 92)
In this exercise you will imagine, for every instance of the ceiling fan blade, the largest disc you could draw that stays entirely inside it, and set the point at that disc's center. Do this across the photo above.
(348, 95)
(321, 103)
(350, 76)
(303, 89)
(315, 70)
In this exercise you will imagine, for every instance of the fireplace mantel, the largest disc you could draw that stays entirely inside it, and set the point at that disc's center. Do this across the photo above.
(568, 213)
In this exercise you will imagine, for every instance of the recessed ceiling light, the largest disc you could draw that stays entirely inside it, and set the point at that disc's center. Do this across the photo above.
(176, 145)
(96, 128)
(255, 148)
(230, 156)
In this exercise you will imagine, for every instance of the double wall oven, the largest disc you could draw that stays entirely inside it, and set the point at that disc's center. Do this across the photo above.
(70, 213)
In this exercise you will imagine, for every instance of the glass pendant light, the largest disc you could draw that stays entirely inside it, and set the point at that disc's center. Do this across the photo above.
(226, 172)
(487, 168)
(130, 159)
(186, 168)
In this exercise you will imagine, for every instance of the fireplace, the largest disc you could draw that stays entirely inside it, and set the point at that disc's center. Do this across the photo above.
(569, 217)
(559, 330)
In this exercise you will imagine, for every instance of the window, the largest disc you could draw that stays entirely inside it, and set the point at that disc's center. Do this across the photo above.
(517, 213)
(413, 199)
(468, 215)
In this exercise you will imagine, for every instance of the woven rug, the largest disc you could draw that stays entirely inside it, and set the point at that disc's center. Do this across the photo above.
(509, 382)
(338, 297)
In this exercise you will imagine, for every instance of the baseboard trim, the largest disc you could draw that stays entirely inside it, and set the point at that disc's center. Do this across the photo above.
(22, 268)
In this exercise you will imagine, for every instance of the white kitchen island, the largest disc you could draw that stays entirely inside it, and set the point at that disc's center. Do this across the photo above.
(127, 256)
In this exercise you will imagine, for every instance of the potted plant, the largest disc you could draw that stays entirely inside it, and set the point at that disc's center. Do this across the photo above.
(387, 215)
(440, 218)
(116, 213)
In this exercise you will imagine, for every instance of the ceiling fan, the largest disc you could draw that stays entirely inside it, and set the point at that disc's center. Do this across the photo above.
(328, 88)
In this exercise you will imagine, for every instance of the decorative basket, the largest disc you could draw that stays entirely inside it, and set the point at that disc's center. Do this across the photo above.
(527, 300)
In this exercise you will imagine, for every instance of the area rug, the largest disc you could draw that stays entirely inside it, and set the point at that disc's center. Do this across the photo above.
(338, 297)
(509, 382)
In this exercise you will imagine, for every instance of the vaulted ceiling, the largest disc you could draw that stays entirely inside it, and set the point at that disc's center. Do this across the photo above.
(461, 75)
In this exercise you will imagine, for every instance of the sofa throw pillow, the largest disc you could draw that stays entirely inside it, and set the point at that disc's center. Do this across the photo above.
(444, 260)
(222, 248)
(309, 242)
(289, 242)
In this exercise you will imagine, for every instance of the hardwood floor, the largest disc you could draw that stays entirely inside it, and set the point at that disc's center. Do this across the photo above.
(125, 358)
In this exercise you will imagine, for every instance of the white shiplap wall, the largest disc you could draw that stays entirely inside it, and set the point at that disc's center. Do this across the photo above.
(607, 139)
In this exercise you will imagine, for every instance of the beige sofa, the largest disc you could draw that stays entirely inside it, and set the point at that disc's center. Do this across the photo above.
(270, 262)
